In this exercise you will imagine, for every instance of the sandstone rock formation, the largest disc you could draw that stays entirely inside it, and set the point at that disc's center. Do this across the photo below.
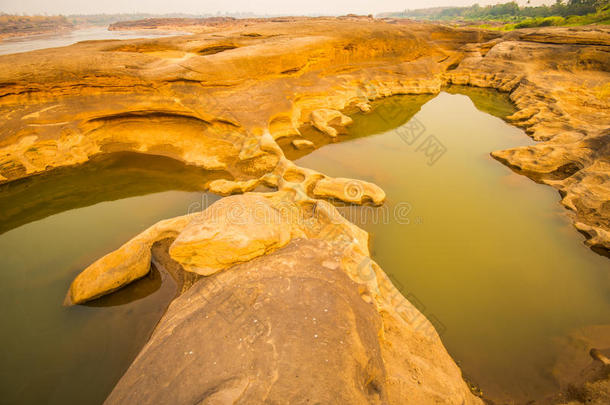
(178, 24)
(328, 121)
(290, 327)
(208, 24)
(121, 267)
(177, 97)
(558, 79)
(316, 319)
(233, 230)
(302, 144)
(221, 100)
(355, 192)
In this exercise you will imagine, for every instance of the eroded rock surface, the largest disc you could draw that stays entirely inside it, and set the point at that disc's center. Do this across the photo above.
(559, 80)
(220, 100)
(292, 327)
(284, 328)
(123, 266)
(292, 308)
(302, 144)
(349, 191)
(208, 99)
(232, 230)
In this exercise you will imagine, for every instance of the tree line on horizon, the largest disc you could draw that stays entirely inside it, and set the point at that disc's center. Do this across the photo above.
(507, 11)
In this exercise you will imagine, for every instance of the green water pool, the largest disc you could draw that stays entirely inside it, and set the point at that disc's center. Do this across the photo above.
(488, 254)
(491, 256)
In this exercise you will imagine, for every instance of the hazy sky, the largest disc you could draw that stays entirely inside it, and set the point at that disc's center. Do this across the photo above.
(213, 6)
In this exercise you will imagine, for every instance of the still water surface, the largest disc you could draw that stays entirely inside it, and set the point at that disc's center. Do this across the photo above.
(488, 253)
(43, 41)
(51, 228)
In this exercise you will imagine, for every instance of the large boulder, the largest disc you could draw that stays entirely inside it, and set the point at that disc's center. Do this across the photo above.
(290, 327)
(233, 230)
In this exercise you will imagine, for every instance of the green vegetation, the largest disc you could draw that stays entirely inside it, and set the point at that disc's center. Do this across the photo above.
(509, 16)
(600, 17)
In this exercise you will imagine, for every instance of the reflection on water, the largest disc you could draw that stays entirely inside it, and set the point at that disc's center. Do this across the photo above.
(489, 255)
(395, 112)
(491, 102)
(144, 287)
(103, 178)
(54, 226)
(43, 41)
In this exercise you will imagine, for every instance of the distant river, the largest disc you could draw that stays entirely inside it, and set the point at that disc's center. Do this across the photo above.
(43, 41)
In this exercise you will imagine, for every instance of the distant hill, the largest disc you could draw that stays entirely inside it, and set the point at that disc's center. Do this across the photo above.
(204, 24)
(15, 25)
(176, 23)
(109, 19)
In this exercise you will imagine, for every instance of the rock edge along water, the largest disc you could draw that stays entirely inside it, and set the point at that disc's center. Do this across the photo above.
(222, 103)
(207, 99)
(291, 308)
